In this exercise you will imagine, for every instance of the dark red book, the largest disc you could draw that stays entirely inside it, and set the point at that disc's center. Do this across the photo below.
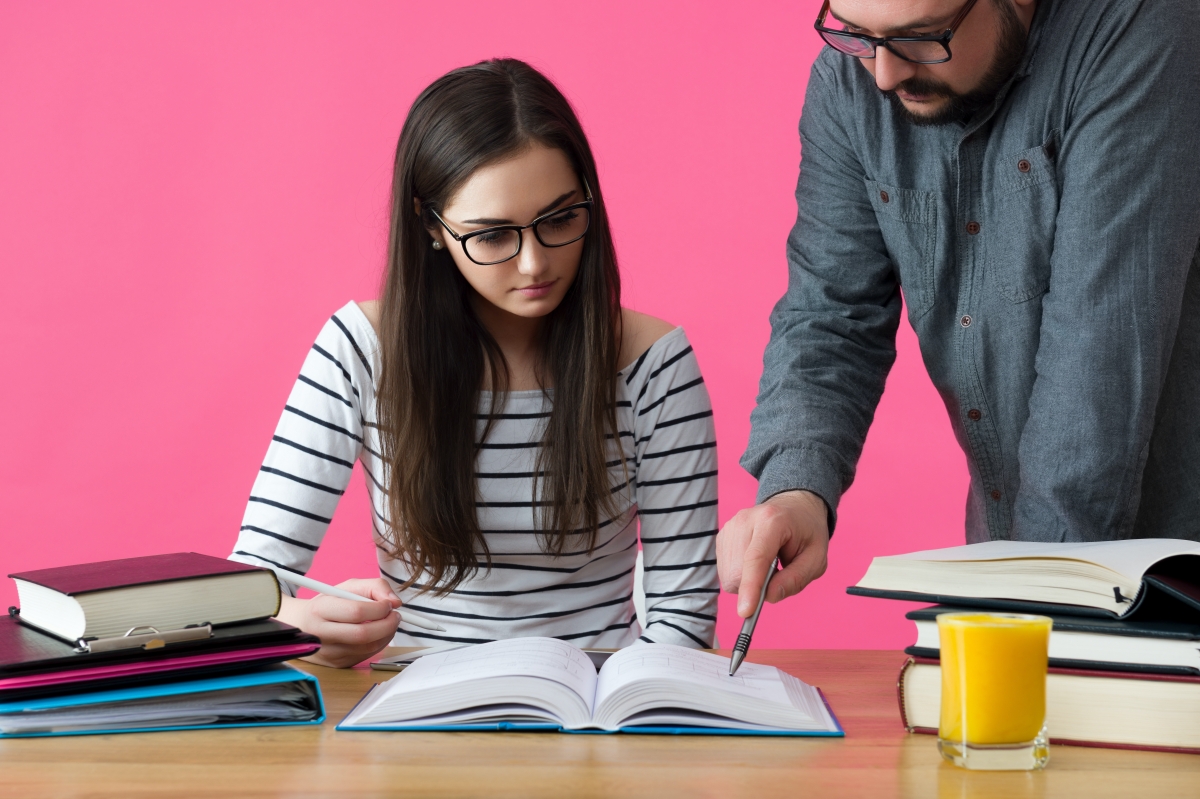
(166, 592)
(1110, 709)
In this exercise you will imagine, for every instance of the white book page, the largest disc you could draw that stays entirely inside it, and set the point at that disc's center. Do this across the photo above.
(546, 658)
(1131, 557)
(703, 676)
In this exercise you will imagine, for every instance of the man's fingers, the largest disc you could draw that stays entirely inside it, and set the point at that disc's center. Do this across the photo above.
(789, 580)
(731, 544)
(808, 565)
(790, 526)
(756, 569)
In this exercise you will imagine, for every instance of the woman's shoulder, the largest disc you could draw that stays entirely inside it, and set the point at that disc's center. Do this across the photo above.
(371, 310)
(348, 340)
(640, 332)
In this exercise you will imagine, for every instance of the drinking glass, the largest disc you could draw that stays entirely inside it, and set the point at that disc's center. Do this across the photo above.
(993, 711)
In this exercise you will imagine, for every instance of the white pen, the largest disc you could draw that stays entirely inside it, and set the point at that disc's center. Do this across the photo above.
(289, 576)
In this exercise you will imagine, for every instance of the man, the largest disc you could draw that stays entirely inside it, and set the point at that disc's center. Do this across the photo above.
(1027, 172)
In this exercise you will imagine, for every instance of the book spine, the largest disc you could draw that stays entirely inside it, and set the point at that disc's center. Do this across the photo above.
(908, 664)
(1150, 673)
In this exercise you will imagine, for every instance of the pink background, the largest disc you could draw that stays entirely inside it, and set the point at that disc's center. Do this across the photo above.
(187, 192)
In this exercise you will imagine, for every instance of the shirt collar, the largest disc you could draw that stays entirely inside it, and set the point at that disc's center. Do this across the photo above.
(1036, 28)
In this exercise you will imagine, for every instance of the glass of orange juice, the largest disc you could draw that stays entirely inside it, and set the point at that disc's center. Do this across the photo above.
(993, 713)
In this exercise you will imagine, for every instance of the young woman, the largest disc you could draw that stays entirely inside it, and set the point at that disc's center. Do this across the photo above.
(514, 423)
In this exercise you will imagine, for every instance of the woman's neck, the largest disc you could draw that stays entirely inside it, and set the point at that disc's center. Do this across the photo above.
(519, 339)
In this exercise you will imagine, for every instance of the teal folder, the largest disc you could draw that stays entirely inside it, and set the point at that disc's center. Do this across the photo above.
(274, 696)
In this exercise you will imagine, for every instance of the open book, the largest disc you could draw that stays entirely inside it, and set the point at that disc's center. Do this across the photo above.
(548, 684)
(1149, 577)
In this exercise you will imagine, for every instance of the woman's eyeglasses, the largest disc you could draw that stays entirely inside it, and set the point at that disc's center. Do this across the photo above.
(495, 245)
(917, 49)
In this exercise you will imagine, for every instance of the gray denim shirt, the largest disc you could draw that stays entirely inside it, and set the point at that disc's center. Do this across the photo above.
(1047, 255)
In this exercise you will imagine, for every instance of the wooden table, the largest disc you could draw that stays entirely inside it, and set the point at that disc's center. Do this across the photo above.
(876, 758)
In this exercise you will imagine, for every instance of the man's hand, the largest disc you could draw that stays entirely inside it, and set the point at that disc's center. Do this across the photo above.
(792, 525)
(350, 631)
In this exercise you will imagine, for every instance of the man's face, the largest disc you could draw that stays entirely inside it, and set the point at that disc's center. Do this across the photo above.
(986, 48)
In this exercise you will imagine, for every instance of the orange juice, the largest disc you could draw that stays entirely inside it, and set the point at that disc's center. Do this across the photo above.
(993, 678)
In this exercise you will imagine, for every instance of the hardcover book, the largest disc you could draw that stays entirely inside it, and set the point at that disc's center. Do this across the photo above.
(167, 592)
(1119, 710)
(1145, 578)
(1083, 642)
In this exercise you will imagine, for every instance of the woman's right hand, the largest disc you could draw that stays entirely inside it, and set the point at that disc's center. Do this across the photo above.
(350, 631)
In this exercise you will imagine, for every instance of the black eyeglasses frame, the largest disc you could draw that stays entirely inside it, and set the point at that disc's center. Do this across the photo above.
(876, 41)
(463, 239)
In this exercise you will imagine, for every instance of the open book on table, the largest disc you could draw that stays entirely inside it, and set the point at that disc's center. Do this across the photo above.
(1144, 578)
(548, 684)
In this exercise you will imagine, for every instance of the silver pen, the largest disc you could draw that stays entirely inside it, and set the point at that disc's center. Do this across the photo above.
(743, 639)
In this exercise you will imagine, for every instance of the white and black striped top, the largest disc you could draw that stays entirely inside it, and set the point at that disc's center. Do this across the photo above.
(669, 445)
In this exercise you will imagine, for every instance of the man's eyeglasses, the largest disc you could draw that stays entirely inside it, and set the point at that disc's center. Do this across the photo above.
(917, 49)
(495, 245)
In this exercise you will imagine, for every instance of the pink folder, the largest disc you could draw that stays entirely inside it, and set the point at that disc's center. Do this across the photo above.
(284, 652)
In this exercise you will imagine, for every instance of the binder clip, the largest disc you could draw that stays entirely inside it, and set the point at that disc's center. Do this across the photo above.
(144, 638)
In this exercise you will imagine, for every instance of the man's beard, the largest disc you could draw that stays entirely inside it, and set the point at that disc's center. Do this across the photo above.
(960, 107)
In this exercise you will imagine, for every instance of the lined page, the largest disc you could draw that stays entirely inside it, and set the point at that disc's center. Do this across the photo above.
(1131, 557)
(700, 669)
(547, 658)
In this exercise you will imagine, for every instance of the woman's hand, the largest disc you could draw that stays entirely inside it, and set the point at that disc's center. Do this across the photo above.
(350, 631)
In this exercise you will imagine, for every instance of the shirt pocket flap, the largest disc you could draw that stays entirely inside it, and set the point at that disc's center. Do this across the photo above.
(908, 223)
(905, 205)
(1027, 168)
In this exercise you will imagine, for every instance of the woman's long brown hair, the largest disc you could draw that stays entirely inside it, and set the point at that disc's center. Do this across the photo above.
(436, 352)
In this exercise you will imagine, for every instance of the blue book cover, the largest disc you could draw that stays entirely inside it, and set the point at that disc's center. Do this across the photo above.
(275, 696)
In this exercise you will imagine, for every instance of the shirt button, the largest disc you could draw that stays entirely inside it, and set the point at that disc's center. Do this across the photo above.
(974, 415)
(883, 195)
(972, 228)
(1024, 165)
(996, 495)
(965, 321)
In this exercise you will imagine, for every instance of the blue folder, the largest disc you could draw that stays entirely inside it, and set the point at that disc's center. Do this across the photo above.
(281, 675)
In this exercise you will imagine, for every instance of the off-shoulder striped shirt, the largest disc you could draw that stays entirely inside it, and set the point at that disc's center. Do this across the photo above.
(666, 441)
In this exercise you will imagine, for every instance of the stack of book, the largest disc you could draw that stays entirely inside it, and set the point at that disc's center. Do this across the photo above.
(1124, 649)
(175, 641)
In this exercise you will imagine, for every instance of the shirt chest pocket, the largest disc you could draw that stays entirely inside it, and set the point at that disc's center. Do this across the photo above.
(908, 222)
(1019, 239)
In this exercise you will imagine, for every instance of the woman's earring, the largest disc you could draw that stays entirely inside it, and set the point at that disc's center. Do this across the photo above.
(437, 245)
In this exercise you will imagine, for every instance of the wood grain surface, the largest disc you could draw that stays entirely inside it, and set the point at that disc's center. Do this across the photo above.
(875, 759)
